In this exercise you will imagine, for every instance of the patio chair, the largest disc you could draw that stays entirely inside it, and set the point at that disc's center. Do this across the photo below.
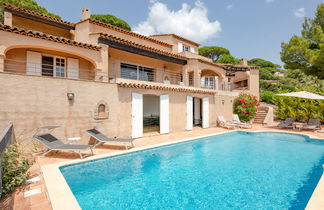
(54, 144)
(101, 138)
(223, 123)
(288, 122)
(236, 120)
(313, 124)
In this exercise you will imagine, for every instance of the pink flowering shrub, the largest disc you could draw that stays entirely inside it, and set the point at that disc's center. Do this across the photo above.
(246, 107)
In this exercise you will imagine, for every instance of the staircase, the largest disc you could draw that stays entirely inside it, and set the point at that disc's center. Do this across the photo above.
(260, 115)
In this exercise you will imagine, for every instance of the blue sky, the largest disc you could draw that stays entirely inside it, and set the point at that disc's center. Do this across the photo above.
(251, 28)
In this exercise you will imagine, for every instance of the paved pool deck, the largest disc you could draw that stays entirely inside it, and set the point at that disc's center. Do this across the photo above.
(55, 194)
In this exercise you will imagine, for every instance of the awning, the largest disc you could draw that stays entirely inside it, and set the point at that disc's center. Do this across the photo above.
(303, 94)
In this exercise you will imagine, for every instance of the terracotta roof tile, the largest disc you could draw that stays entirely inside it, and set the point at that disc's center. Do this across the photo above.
(178, 37)
(130, 43)
(156, 86)
(115, 28)
(36, 14)
(41, 35)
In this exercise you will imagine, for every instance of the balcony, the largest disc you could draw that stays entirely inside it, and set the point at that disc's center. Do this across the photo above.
(49, 67)
(145, 74)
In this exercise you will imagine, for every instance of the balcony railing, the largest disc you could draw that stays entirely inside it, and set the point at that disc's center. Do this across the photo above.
(165, 76)
(48, 70)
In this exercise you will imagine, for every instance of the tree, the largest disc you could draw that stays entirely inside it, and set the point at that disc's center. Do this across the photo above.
(262, 63)
(228, 59)
(110, 19)
(26, 4)
(213, 52)
(306, 52)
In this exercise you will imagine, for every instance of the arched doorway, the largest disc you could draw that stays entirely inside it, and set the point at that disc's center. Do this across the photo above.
(210, 79)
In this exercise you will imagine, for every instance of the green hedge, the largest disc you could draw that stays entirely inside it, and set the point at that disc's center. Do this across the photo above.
(298, 108)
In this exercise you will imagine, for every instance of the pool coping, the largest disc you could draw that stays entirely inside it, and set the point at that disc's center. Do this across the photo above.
(62, 198)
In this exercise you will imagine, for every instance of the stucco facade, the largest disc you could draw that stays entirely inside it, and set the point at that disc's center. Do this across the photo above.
(106, 68)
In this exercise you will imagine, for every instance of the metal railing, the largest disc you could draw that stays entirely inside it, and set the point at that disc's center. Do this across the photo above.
(173, 77)
(165, 76)
(7, 137)
(48, 70)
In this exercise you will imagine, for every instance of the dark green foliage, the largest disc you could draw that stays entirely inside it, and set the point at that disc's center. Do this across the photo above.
(245, 106)
(263, 63)
(267, 96)
(268, 73)
(298, 108)
(306, 52)
(213, 52)
(26, 4)
(228, 59)
(15, 164)
(110, 19)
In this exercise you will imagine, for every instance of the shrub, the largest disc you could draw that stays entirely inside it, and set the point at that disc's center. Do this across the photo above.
(246, 107)
(110, 19)
(267, 97)
(301, 109)
(15, 164)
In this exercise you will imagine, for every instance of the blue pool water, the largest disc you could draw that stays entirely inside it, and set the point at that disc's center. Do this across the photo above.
(238, 170)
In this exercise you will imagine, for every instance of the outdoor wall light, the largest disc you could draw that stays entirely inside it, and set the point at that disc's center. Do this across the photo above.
(223, 102)
(70, 96)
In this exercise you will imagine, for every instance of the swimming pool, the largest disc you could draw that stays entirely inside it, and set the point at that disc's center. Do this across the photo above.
(237, 170)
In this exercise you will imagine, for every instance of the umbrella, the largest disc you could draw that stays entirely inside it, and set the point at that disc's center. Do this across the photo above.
(303, 94)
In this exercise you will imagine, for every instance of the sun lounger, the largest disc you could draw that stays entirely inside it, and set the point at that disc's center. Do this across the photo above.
(54, 144)
(223, 123)
(101, 138)
(288, 122)
(313, 124)
(236, 120)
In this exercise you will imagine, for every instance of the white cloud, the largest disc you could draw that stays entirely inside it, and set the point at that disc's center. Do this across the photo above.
(300, 13)
(269, 1)
(230, 6)
(192, 23)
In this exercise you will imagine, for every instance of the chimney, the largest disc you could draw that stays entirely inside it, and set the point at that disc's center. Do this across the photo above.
(85, 13)
(244, 62)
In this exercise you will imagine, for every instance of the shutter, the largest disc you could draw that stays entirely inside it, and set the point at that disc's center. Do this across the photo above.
(73, 68)
(192, 49)
(180, 47)
(137, 115)
(202, 82)
(216, 83)
(205, 110)
(33, 63)
(164, 114)
(189, 112)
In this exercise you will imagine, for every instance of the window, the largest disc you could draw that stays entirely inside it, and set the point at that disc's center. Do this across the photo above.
(47, 66)
(209, 82)
(130, 71)
(59, 67)
(53, 66)
(185, 48)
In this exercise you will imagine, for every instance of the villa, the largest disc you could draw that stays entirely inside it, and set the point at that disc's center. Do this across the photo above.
(70, 74)
(88, 75)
